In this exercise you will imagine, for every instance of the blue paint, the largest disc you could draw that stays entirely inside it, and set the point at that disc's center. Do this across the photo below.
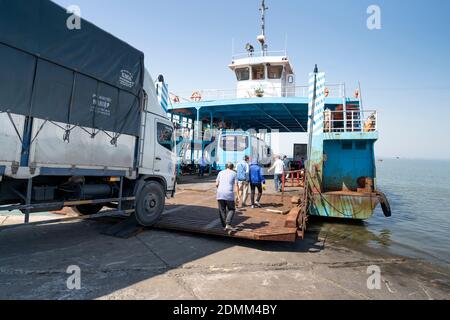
(82, 172)
(217, 104)
(345, 161)
(351, 136)
(2, 170)
(244, 113)
(26, 142)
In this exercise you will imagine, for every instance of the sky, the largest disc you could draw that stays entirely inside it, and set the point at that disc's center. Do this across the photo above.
(403, 68)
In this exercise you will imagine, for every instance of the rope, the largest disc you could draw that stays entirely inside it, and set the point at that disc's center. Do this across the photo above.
(15, 127)
(39, 131)
(322, 196)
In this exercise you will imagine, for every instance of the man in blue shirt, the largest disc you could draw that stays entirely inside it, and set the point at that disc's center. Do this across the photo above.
(243, 181)
(202, 167)
(226, 183)
(256, 182)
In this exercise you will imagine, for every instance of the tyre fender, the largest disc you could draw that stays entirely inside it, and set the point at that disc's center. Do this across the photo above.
(385, 206)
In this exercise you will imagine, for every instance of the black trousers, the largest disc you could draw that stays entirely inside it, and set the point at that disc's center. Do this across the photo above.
(227, 210)
(260, 191)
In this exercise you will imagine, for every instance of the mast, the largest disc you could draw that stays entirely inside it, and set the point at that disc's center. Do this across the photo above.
(262, 37)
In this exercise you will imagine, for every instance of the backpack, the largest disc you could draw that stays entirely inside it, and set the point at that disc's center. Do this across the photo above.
(241, 172)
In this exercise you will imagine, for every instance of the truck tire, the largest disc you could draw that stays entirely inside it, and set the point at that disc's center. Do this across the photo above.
(150, 204)
(88, 209)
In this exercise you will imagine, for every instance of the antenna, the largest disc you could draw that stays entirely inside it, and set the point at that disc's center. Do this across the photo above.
(232, 47)
(262, 37)
(285, 44)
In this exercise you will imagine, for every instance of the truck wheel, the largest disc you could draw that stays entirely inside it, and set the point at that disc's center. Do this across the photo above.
(150, 204)
(88, 209)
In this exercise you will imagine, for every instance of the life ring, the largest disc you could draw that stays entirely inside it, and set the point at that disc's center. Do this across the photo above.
(196, 96)
(327, 92)
(176, 99)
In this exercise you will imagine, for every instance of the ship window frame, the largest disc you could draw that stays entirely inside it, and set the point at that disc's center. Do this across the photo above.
(241, 69)
(232, 143)
(256, 66)
(290, 79)
(347, 145)
(361, 145)
(280, 69)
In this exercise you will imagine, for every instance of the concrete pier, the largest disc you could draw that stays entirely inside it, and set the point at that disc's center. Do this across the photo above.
(160, 264)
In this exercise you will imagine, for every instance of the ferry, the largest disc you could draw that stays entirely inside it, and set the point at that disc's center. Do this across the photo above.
(335, 131)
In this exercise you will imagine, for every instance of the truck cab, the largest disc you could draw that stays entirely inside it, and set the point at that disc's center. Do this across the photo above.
(157, 144)
(84, 131)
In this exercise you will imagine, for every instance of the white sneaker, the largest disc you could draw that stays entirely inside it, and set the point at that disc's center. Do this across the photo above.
(230, 228)
(253, 207)
(258, 205)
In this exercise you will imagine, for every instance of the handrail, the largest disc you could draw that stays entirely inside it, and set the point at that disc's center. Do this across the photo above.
(350, 121)
(296, 179)
(333, 91)
(258, 54)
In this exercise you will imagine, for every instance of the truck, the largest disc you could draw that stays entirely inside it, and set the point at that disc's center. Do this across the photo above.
(80, 121)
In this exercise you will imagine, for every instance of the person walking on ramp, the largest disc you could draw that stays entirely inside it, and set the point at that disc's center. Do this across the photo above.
(226, 183)
(243, 170)
(256, 182)
(278, 168)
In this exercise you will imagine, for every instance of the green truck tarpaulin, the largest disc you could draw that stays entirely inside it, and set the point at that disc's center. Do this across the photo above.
(84, 77)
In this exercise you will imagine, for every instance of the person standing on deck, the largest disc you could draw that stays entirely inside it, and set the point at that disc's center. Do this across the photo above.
(301, 163)
(226, 183)
(287, 165)
(278, 168)
(202, 167)
(256, 182)
(243, 170)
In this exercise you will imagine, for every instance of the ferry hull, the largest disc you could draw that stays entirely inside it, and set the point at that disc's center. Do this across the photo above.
(354, 206)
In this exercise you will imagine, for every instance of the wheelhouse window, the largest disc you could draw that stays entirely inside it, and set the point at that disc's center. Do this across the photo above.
(234, 143)
(275, 72)
(243, 74)
(165, 136)
(258, 72)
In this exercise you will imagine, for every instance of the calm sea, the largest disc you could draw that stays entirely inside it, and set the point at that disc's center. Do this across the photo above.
(419, 194)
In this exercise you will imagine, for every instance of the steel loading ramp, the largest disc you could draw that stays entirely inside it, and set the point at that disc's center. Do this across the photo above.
(195, 211)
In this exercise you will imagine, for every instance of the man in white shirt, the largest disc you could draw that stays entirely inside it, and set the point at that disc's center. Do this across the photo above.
(278, 168)
(226, 183)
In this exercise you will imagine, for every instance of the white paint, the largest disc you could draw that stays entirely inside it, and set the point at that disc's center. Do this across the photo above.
(74, 20)
(283, 143)
(74, 280)
(374, 20)
(374, 280)
(270, 87)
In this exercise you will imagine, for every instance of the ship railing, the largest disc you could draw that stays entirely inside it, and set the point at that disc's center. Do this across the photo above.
(332, 91)
(258, 54)
(350, 121)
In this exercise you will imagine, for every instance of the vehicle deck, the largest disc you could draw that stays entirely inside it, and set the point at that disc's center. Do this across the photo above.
(194, 209)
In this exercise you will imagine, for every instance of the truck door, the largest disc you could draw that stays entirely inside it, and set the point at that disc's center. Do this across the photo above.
(165, 157)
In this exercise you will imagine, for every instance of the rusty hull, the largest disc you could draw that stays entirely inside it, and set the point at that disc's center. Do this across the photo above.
(344, 204)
